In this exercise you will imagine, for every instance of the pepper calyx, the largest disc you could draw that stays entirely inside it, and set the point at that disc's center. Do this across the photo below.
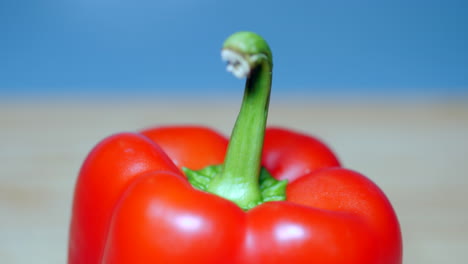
(271, 189)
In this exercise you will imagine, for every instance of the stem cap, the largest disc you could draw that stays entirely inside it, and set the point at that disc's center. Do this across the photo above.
(243, 51)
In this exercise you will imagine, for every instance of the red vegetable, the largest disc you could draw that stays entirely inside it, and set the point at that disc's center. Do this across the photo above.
(134, 204)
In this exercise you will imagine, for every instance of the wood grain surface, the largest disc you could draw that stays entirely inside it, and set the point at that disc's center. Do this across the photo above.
(416, 152)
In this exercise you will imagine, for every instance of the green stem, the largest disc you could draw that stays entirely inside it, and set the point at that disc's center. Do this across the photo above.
(239, 179)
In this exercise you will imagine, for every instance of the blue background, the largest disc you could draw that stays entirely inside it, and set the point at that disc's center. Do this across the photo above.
(142, 47)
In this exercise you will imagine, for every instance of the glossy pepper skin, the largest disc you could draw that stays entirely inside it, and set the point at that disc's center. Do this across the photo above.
(133, 204)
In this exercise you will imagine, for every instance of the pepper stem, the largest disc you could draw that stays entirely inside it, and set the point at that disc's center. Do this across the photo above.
(248, 55)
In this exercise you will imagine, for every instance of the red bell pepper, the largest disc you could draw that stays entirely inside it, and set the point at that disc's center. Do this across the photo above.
(279, 196)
